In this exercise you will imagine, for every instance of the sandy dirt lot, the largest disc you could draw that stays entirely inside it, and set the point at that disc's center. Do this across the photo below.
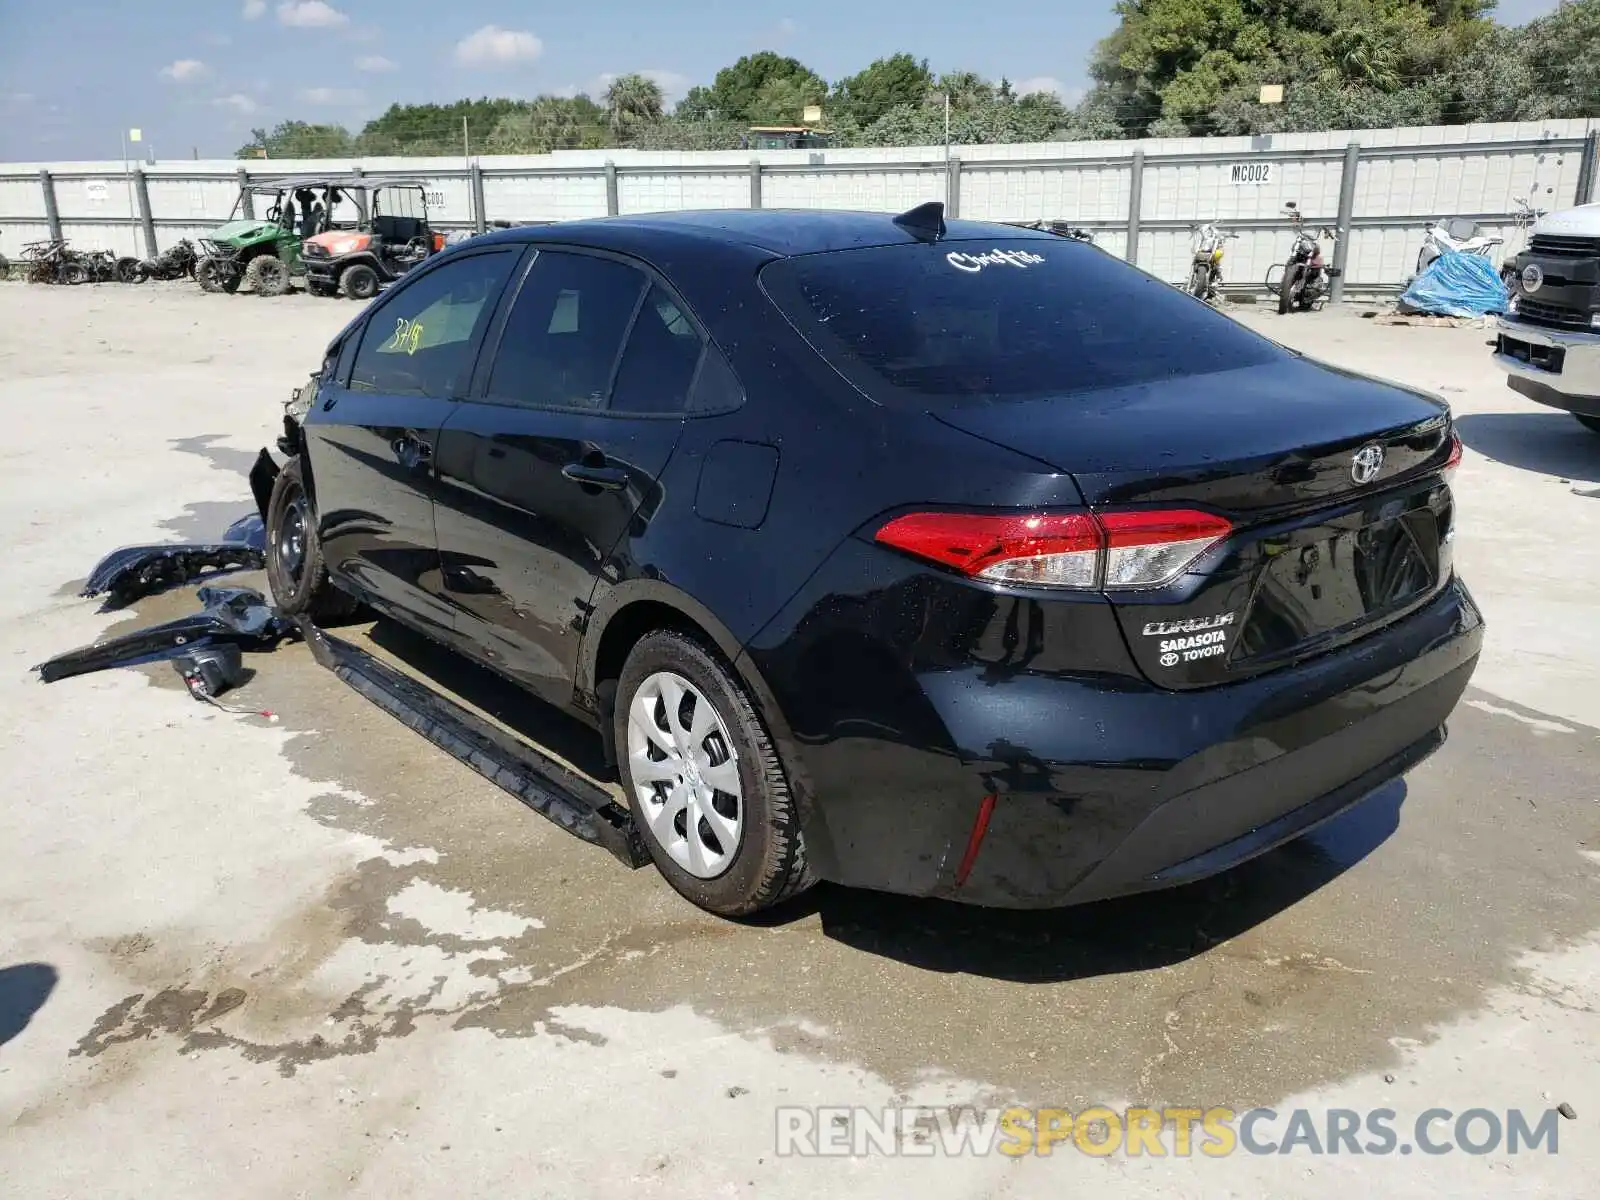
(318, 958)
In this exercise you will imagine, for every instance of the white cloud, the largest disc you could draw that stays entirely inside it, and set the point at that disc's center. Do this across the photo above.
(328, 95)
(310, 14)
(374, 62)
(493, 46)
(1040, 83)
(253, 9)
(183, 70)
(788, 27)
(238, 101)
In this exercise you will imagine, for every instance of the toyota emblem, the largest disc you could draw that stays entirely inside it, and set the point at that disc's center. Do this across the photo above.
(1532, 277)
(1364, 467)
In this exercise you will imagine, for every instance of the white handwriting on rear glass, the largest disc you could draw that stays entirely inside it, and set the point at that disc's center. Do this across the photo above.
(974, 263)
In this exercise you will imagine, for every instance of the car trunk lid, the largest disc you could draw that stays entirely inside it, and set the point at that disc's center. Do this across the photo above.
(1333, 484)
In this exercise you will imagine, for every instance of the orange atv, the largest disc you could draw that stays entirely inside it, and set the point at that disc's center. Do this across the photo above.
(393, 238)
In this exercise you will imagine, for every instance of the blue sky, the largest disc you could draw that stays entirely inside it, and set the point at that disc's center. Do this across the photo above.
(198, 75)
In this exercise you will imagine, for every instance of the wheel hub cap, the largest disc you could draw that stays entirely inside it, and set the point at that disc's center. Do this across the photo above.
(685, 774)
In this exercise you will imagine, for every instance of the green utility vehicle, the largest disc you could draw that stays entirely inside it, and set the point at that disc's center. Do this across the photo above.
(262, 252)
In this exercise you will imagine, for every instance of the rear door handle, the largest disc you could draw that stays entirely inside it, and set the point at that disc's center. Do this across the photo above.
(612, 479)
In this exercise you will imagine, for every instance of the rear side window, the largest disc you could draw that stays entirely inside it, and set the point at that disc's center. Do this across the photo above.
(422, 341)
(991, 322)
(659, 364)
(564, 333)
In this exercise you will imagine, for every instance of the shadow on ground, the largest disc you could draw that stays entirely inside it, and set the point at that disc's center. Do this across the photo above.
(1137, 933)
(1133, 934)
(23, 991)
(542, 724)
(1552, 443)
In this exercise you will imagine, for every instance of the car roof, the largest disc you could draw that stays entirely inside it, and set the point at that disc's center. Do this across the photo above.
(778, 232)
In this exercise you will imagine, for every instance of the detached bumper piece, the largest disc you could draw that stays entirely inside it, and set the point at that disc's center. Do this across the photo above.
(237, 616)
(541, 783)
(134, 571)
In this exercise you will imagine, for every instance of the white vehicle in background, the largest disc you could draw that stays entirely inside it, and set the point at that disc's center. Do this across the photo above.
(1548, 342)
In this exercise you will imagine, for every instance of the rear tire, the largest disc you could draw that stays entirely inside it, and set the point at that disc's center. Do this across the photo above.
(267, 275)
(72, 273)
(1426, 259)
(754, 856)
(1592, 424)
(358, 282)
(1290, 287)
(296, 573)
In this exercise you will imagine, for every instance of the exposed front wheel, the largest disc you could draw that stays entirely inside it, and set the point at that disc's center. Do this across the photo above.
(1290, 287)
(359, 282)
(128, 271)
(704, 781)
(214, 276)
(1199, 281)
(296, 573)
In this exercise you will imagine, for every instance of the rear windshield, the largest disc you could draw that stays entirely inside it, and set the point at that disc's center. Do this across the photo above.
(974, 322)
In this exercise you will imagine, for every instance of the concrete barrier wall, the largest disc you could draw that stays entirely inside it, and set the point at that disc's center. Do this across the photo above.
(1402, 180)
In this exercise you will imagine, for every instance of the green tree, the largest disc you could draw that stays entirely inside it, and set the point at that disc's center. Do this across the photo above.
(632, 101)
(873, 91)
(699, 104)
(420, 129)
(677, 133)
(549, 123)
(783, 98)
(736, 91)
(299, 139)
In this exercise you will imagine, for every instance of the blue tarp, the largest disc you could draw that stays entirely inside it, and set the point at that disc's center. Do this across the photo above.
(1456, 285)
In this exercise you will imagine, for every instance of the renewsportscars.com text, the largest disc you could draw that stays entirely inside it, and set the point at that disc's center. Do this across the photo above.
(1160, 1132)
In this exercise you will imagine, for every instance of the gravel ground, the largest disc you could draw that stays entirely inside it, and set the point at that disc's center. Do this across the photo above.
(315, 957)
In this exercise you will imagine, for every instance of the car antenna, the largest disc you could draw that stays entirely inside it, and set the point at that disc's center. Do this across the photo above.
(925, 221)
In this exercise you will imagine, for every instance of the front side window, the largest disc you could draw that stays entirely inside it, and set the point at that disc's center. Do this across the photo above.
(421, 342)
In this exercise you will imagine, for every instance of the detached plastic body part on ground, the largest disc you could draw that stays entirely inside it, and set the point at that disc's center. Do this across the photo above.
(240, 616)
(206, 648)
(134, 571)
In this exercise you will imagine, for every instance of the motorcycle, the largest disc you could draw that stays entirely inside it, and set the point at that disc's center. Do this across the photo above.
(1457, 234)
(1205, 268)
(176, 262)
(1306, 276)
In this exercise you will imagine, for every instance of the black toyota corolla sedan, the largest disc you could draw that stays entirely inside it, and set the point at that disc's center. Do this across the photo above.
(943, 558)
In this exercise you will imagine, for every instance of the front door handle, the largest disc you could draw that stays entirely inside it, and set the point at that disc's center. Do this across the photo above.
(411, 451)
(612, 479)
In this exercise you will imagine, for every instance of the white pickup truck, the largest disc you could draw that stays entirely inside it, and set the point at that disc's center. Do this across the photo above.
(1549, 341)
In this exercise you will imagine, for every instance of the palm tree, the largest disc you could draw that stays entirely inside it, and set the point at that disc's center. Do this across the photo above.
(632, 100)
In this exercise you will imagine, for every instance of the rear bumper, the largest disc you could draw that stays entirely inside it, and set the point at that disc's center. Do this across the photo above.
(1557, 367)
(1104, 790)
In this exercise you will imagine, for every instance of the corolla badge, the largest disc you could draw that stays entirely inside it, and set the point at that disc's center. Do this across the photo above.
(1532, 277)
(1366, 464)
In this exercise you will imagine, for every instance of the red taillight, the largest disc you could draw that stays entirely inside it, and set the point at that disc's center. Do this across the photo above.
(1454, 461)
(1063, 550)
